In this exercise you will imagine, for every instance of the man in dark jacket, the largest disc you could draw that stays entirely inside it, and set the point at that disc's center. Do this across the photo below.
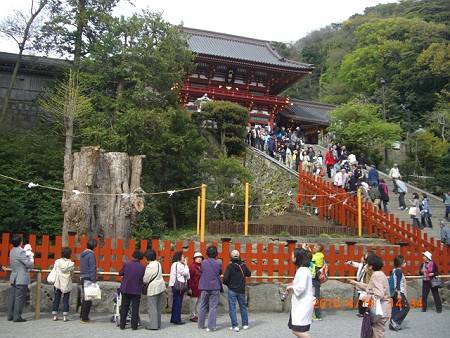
(131, 289)
(234, 278)
(88, 273)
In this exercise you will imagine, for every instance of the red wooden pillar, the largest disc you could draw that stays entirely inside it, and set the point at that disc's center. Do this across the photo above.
(300, 187)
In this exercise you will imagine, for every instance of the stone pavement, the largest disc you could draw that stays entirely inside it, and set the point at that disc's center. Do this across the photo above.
(341, 324)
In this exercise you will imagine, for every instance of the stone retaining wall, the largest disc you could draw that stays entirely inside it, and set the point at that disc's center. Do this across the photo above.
(261, 297)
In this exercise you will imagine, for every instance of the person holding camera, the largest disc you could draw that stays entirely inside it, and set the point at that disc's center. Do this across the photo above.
(234, 278)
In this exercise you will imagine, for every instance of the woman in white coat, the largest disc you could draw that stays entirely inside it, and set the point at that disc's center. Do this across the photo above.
(302, 295)
(155, 288)
(63, 283)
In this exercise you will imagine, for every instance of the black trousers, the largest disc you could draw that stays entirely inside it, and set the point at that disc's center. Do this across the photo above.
(400, 308)
(426, 287)
(316, 286)
(135, 301)
(85, 305)
(426, 220)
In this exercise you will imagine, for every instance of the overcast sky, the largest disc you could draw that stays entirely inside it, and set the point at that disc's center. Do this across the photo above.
(280, 20)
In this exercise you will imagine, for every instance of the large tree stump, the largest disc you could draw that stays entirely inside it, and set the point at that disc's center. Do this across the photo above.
(113, 200)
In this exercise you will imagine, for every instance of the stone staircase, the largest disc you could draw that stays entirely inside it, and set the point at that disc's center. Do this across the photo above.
(436, 204)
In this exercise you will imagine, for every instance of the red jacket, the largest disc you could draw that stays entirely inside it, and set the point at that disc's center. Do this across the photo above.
(195, 271)
(329, 158)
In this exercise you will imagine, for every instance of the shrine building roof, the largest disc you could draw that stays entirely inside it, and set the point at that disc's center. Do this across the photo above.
(207, 43)
(308, 111)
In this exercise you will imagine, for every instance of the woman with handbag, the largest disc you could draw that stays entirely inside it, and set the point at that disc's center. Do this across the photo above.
(211, 286)
(63, 268)
(154, 287)
(179, 275)
(429, 272)
(414, 210)
(234, 278)
(379, 297)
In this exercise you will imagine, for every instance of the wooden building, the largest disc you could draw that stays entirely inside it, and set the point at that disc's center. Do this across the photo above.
(232, 68)
(242, 70)
(35, 74)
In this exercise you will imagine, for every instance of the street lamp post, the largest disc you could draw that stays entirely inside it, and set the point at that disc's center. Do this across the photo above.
(383, 83)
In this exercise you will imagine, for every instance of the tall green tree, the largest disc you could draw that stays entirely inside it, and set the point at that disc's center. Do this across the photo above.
(360, 127)
(227, 121)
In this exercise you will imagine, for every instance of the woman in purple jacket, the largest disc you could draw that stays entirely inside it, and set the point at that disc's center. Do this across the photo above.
(131, 289)
(210, 286)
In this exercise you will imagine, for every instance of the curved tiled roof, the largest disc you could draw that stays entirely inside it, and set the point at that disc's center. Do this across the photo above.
(239, 48)
(308, 111)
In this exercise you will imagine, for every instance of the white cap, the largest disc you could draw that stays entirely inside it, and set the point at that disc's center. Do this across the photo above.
(428, 255)
(198, 254)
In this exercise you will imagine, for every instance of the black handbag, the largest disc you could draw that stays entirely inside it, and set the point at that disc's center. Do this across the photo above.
(178, 286)
(437, 283)
(366, 326)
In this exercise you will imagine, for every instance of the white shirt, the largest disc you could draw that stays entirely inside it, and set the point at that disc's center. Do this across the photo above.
(394, 173)
(179, 271)
(302, 298)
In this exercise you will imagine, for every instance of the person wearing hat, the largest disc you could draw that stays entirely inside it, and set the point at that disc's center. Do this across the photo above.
(195, 271)
(429, 270)
(234, 278)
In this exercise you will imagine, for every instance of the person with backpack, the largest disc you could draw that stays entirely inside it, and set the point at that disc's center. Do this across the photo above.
(397, 288)
(318, 259)
(234, 278)
(429, 271)
(64, 269)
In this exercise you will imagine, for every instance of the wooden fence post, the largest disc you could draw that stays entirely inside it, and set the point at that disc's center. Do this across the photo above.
(37, 312)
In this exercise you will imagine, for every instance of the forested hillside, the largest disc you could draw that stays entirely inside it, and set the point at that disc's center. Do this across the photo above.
(399, 51)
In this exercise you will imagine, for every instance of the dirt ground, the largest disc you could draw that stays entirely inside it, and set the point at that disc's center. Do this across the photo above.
(291, 218)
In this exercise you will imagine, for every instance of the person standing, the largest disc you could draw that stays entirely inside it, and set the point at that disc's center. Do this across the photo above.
(63, 283)
(132, 273)
(195, 271)
(425, 212)
(394, 174)
(210, 286)
(400, 305)
(384, 195)
(373, 177)
(19, 279)
(179, 274)
(155, 289)
(318, 258)
(429, 270)
(363, 275)
(446, 201)
(88, 273)
(445, 233)
(302, 295)
(378, 290)
(330, 160)
(414, 211)
(402, 191)
(234, 278)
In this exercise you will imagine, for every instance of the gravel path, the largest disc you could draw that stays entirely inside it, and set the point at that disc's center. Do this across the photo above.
(340, 324)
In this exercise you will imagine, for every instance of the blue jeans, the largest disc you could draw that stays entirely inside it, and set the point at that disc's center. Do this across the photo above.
(57, 299)
(240, 297)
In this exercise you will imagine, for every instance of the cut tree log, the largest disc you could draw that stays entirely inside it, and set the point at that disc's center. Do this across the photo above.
(111, 195)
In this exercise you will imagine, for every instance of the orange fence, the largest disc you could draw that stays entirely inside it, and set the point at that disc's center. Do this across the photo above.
(333, 203)
(262, 259)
